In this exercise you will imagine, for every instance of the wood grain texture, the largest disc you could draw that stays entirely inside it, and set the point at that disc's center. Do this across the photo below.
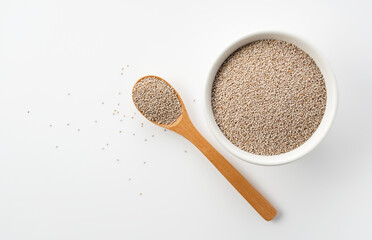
(184, 127)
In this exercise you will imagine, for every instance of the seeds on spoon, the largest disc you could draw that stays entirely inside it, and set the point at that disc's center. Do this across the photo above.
(156, 100)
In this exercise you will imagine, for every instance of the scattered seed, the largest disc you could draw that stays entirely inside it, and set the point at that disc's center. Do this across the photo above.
(120, 131)
(144, 162)
(185, 151)
(141, 124)
(165, 130)
(119, 93)
(153, 135)
(103, 148)
(129, 179)
(140, 194)
(124, 116)
(68, 94)
(68, 124)
(121, 120)
(121, 73)
(107, 144)
(122, 68)
(127, 65)
(28, 111)
(117, 159)
(193, 100)
(78, 129)
(118, 104)
(133, 134)
(132, 117)
(95, 121)
(57, 146)
(145, 139)
(50, 125)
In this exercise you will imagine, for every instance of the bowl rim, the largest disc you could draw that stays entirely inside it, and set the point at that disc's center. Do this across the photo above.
(320, 132)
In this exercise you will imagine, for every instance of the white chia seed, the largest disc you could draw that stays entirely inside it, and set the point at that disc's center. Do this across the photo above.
(268, 97)
(156, 100)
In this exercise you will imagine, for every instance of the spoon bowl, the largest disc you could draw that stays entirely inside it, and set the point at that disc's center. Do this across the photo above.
(173, 125)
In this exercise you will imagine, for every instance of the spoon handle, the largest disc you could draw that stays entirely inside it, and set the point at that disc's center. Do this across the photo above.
(258, 202)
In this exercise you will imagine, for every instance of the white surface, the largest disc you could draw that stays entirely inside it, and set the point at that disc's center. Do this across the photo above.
(321, 131)
(78, 191)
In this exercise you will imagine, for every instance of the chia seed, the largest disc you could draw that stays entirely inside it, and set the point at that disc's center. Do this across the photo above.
(156, 100)
(268, 97)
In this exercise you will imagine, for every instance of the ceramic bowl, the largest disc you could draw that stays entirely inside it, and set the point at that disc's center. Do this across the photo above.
(321, 131)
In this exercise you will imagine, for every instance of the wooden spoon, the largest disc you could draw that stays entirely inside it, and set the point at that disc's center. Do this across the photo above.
(184, 127)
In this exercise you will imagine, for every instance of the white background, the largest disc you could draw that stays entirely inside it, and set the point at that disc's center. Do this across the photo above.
(79, 191)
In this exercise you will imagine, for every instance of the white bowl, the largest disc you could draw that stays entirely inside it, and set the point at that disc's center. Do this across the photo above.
(321, 131)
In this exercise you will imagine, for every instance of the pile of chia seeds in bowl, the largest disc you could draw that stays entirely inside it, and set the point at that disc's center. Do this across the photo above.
(268, 97)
